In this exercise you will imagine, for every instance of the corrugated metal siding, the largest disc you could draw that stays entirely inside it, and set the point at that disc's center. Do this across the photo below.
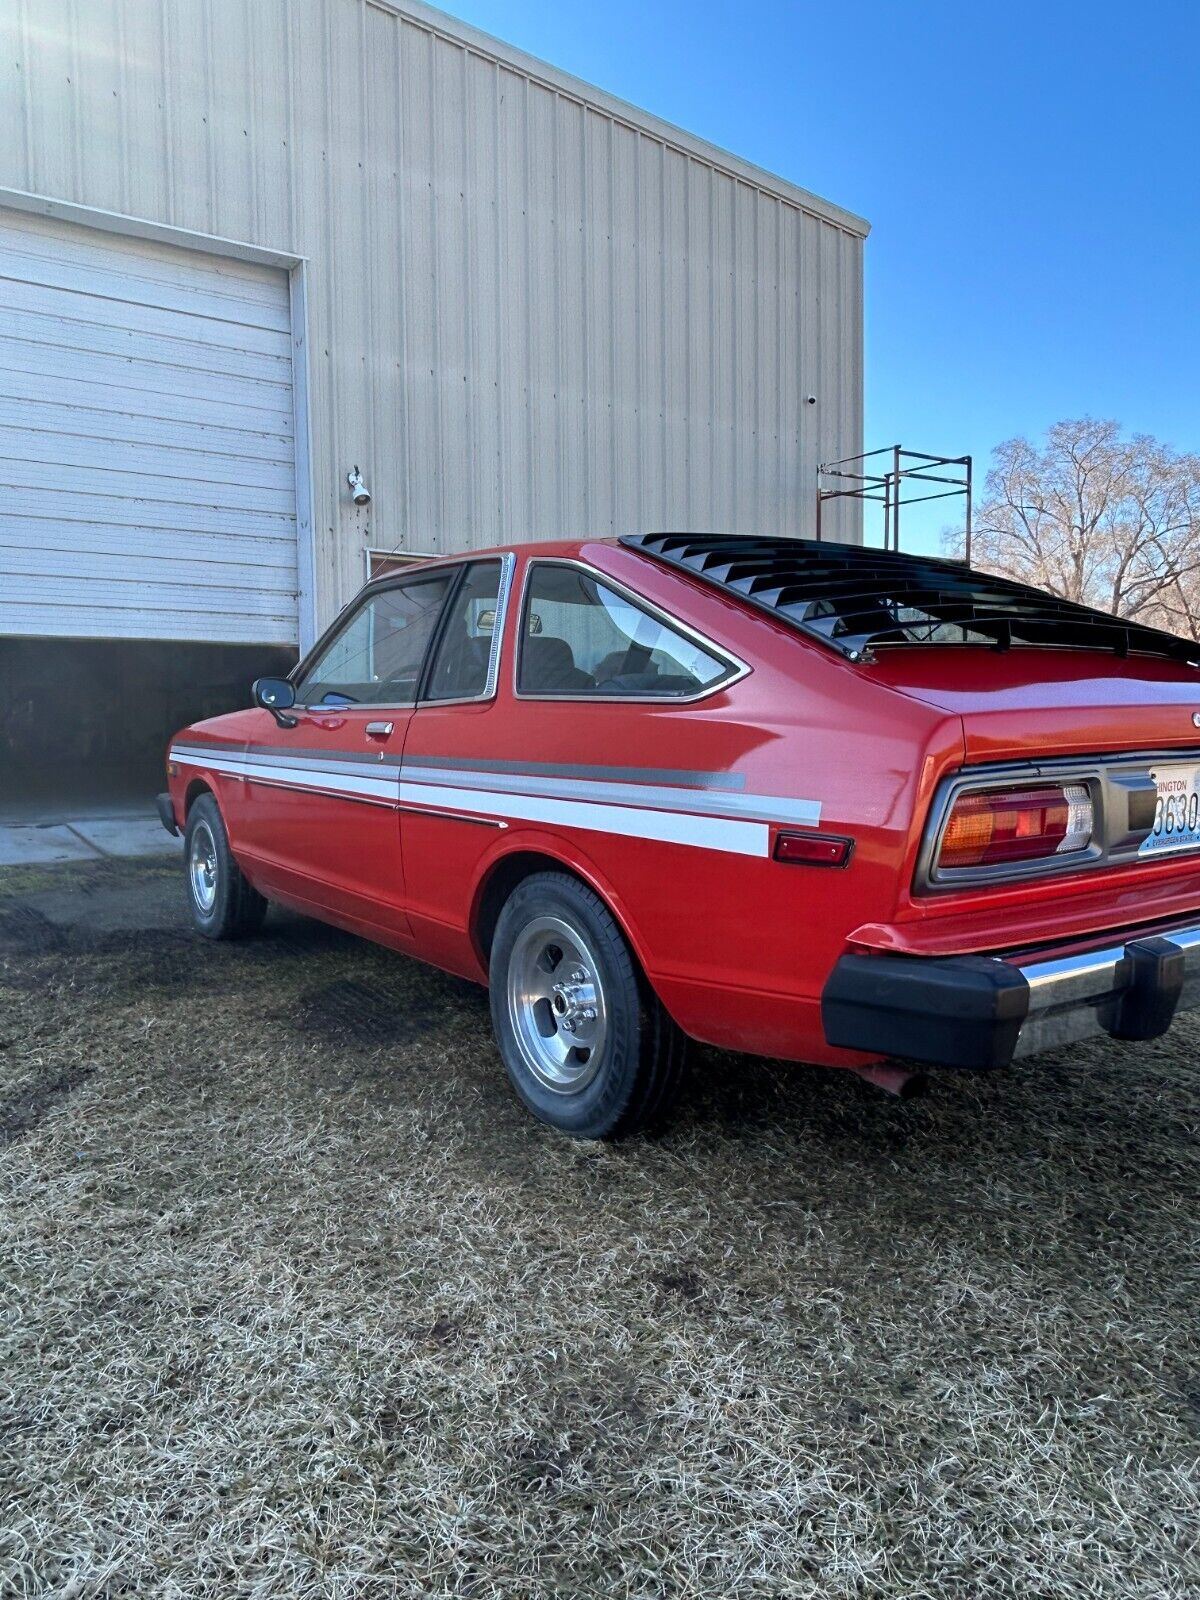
(147, 470)
(532, 312)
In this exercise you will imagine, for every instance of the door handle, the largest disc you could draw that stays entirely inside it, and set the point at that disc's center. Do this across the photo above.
(379, 730)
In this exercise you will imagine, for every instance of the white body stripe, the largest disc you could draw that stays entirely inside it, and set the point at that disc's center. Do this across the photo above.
(670, 827)
(706, 802)
(675, 823)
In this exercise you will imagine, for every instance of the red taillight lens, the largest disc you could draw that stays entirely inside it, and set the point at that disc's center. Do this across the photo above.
(998, 826)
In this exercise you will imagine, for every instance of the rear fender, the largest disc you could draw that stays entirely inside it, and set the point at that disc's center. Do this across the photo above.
(564, 853)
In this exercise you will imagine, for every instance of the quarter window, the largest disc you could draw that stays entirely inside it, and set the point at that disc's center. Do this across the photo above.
(580, 637)
(463, 655)
(376, 657)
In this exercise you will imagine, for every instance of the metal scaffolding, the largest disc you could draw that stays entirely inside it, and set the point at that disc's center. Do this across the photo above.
(850, 479)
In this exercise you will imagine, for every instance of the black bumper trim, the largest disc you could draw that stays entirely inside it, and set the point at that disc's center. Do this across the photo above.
(963, 1011)
(166, 813)
(981, 1011)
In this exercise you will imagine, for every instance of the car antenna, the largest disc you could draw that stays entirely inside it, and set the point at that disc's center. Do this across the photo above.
(388, 555)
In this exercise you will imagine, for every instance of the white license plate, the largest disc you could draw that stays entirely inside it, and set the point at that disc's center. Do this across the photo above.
(1177, 815)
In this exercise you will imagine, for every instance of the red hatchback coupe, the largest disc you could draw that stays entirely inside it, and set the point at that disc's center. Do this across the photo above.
(812, 801)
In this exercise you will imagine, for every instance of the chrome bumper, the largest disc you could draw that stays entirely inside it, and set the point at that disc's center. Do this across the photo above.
(985, 1011)
(1129, 991)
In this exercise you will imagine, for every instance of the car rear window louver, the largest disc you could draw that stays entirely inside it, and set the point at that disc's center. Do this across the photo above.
(857, 600)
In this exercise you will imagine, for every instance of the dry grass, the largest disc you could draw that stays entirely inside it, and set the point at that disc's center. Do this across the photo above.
(297, 1302)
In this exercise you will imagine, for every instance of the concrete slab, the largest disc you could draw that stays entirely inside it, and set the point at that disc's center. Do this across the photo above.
(126, 836)
(23, 846)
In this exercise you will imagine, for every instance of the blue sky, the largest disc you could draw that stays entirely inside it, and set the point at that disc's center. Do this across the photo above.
(1031, 174)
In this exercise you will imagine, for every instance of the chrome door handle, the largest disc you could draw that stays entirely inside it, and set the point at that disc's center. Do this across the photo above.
(379, 729)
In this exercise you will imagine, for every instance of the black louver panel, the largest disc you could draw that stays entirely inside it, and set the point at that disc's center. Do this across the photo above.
(857, 600)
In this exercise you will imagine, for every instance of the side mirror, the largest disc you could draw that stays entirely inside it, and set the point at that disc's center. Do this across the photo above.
(275, 695)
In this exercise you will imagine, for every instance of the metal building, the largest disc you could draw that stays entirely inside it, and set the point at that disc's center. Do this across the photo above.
(247, 246)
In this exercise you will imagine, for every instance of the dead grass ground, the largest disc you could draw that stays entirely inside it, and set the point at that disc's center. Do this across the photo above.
(297, 1301)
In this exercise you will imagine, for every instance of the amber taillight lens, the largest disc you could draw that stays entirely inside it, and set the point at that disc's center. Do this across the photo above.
(999, 827)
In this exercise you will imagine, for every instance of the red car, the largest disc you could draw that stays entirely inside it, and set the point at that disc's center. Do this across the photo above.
(811, 801)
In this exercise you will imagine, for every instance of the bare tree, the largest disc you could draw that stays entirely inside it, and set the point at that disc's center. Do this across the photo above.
(1110, 521)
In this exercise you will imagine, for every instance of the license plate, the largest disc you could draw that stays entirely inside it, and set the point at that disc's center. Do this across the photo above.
(1177, 814)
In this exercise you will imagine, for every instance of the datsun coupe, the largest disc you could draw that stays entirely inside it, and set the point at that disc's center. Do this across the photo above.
(812, 801)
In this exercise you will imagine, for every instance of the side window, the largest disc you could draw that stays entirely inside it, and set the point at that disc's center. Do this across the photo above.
(579, 637)
(376, 656)
(461, 663)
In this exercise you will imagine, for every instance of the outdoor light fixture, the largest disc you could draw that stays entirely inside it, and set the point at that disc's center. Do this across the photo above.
(358, 489)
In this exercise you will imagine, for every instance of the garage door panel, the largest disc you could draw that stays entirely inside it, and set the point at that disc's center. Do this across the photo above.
(14, 475)
(191, 465)
(89, 281)
(111, 422)
(147, 387)
(140, 568)
(123, 314)
(231, 547)
(165, 516)
(147, 471)
(143, 258)
(96, 620)
(189, 353)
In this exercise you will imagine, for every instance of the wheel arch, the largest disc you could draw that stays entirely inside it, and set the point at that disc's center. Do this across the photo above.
(511, 867)
(196, 787)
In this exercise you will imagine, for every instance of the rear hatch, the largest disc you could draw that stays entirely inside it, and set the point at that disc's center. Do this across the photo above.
(1032, 703)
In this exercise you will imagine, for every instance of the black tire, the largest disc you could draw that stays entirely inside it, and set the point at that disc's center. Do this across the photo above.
(235, 909)
(630, 1080)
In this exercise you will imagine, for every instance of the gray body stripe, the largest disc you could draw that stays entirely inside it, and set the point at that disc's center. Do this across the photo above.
(263, 752)
(669, 777)
(751, 807)
(755, 807)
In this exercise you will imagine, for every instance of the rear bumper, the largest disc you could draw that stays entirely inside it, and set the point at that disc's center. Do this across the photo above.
(166, 813)
(985, 1011)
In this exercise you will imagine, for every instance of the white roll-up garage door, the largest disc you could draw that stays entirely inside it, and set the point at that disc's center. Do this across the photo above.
(147, 462)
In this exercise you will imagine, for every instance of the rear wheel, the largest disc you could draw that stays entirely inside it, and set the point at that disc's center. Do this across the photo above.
(585, 1041)
(223, 904)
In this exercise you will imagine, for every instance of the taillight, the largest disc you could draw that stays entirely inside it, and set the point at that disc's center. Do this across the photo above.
(996, 827)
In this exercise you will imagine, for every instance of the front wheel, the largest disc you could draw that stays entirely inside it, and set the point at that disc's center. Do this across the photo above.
(223, 904)
(585, 1041)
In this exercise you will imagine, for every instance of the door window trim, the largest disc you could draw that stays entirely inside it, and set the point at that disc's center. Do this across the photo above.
(738, 668)
(401, 580)
(508, 563)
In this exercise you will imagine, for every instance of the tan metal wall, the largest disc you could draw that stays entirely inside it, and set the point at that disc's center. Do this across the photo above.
(532, 311)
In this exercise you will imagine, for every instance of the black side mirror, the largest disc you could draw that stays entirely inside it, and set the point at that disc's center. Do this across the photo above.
(275, 695)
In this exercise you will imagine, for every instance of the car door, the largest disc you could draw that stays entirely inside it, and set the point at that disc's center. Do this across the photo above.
(319, 809)
(458, 723)
(598, 744)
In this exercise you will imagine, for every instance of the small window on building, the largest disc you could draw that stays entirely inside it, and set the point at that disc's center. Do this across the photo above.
(382, 563)
(376, 657)
(460, 669)
(579, 637)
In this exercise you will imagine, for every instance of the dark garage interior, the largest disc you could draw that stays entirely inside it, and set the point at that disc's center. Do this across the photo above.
(84, 723)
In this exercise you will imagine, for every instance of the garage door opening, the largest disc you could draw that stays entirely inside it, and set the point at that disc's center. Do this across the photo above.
(84, 723)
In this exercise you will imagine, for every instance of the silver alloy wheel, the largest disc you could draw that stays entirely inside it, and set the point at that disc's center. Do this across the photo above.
(556, 1004)
(202, 867)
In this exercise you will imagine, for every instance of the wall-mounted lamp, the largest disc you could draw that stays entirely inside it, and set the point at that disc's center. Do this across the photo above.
(358, 489)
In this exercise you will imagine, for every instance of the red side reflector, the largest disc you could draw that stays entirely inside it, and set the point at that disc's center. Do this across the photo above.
(813, 849)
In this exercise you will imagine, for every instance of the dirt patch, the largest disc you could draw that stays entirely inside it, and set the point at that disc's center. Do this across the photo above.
(22, 1111)
(24, 930)
(359, 1011)
(299, 1304)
